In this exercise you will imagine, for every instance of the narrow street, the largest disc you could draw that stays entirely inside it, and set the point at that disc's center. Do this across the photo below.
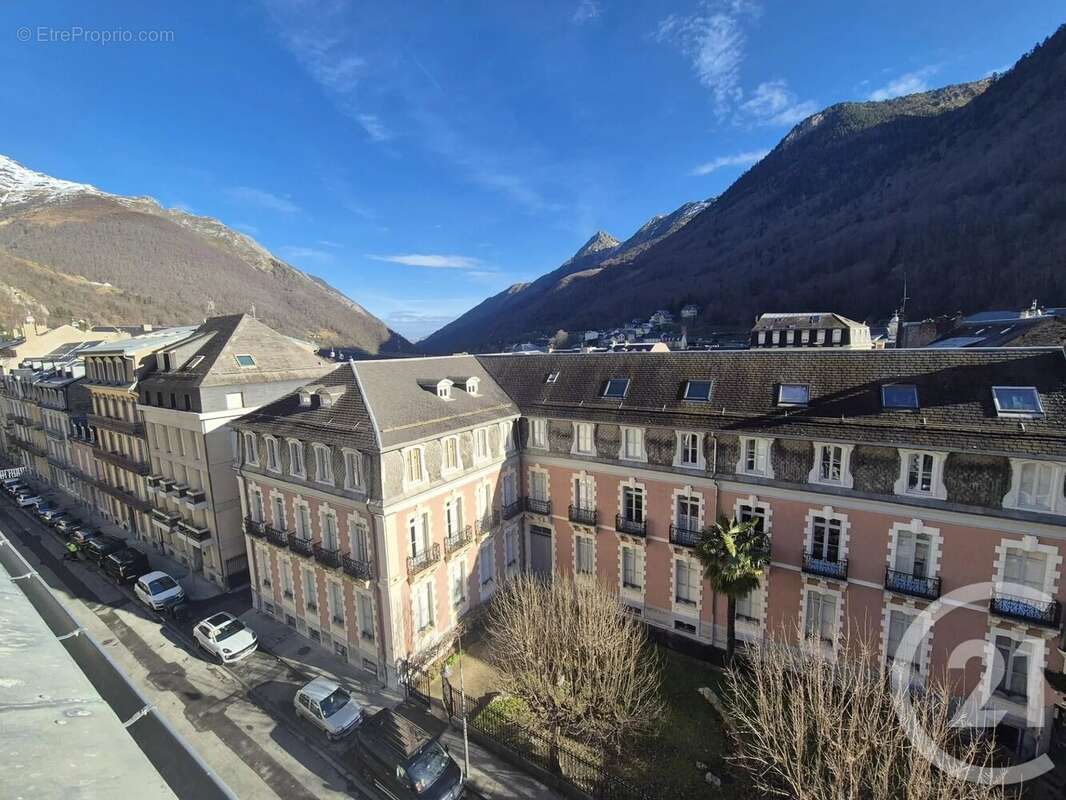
(239, 718)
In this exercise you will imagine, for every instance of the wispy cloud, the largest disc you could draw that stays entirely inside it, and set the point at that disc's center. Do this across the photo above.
(301, 253)
(374, 127)
(263, 199)
(586, 11)
(713, 41)
(773, 103)
(908, 83)
(735, 160)
(431, 261)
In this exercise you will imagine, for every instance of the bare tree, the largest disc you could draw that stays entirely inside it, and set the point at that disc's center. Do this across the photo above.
(560, 340)
(584, 668)
(817, 727)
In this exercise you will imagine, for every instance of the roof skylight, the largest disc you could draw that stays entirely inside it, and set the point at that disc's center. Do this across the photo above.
(899, 397)
(552, 377)
(793, 394)
(698, 391)
(616, 388)
(244, 360)
(194, 363)
(1017, 401)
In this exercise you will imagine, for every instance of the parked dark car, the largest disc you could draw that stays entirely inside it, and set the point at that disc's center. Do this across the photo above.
(83, 536)
(403, 760)
(50, 516)
(126, 565)
(100, 546)
(68, 524)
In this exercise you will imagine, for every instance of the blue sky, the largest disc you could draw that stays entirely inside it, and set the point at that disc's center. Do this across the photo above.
(421, 156)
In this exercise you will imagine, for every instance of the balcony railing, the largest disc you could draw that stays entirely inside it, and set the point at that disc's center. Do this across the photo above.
(197, 533)
(582, 515)
(684, 536)
(276, 536)
(195, 497)
(255, 528)
(513, 509)
(323, 555)
(487, 524)
(123, 461)
(536, 505)
(300, 545)
(421, 561)
(120, 425)
(913, 585)
(631, 526)
(363, 570)
(827, 568)
(454, 541)
(1023, 609)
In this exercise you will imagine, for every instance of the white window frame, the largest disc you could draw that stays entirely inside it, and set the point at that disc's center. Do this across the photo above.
(921, 649)
(538, 433)
(487, 583)
(1008, 414)
(686, 608)
(639, 570)
(353, 469)
(1014, 497)
(1031, 705)
(366, 631)
(444, 389)
(590, 541)
(337, 616)
(458, 466)
(680, 448)
(635, 436)
(318, 449)
(296, 458)
(251, 449)
(915, 528)
(482, 445)
(757, 442)
(512, 551)
(457, 570)
(847, 481)
(273, 451)
(423, 604)
(410, 481)
(838, 598)
(937, 490)
(827, 513)
(590, 429)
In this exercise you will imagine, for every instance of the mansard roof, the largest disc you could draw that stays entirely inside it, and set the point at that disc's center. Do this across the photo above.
(956, 410)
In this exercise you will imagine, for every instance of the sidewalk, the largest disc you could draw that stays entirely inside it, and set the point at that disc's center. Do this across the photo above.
(490, 775)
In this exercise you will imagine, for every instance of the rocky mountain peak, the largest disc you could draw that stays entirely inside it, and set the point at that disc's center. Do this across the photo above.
(600, 241)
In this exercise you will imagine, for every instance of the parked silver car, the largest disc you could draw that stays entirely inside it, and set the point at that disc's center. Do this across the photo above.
(329, 707)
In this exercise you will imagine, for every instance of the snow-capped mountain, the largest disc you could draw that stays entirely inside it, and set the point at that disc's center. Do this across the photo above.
(21, 185)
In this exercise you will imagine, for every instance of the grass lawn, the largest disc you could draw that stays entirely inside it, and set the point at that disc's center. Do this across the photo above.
(690, 732)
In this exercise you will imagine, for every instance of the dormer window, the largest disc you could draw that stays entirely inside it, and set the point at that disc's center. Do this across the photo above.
(1017, 401)
(552, 377)
(244, 360)
(698, 391)
(899, 397)
(444, 389)
(305, 399)
(472, 385)
(793, 394)
(616, 388)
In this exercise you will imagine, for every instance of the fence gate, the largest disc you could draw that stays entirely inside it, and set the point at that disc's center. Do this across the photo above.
(237, 571)
(416, 684)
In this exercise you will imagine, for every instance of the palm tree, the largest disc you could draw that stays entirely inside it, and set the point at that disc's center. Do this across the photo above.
(734, 555)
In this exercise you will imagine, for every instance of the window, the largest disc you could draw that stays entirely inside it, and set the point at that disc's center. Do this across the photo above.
(538, 433)
(633, 444)
(194, 362)
(418, 532)
(233, 400)
(913, 554)
(273, 454)
(451, 454)
(330, 539)
(584, 492)
(296, 459)
(414, 469)
(423, 606)
(251, 450)
(632, 568)
(688, 450)
(793, 394)
(898, 623)
(583, 438)
(1034, 485)
(457, 582)
(365, 610)
(444, 390)
(472, 385)
(920, 473)
(1025, 568)
(336, 602)
(353, 473)
(538, 485)
(688, 512)
(583, 555)
(899, 397)
(303, 522)
(1014, 681)
(244, 360)
(755, 456)
(752, 512)
(310, 590)
(360, 541)
(831, 466)
(686, 582)
(323, 464)
(820, 616)
(510, 543)
(552, 377)
(481, 443)
(486, 563)
(279, 513)
(746, 607)
(633, 503)
(286, 580)
(453, 517)
(1017, 401)
(616, 388)
(825, 538)
(698, 391)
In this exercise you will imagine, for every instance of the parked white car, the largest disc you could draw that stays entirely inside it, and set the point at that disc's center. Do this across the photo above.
(225, 637)
(27, 500)
(329, 707)
(158, 591)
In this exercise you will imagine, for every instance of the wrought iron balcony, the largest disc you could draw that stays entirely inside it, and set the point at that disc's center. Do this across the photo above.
(684, 536)
(119, 425)
(122, 461)
(583, 516)
(167, 519)
(276, 537)
(487, 524)
(423, 560)
(913, 585)
(1035, 612)
(827, 568)
(536, 505)
(454, 541)
(255, 528)
(323, 555)
(513, 509)
(300, 545)
(631, 526)
(363, 570)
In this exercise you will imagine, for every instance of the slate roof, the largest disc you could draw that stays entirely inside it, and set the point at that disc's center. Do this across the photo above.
(1046, 331)
(148, 341)
(277, 357)
(385, 406)
(954, 389)
(814, 319)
